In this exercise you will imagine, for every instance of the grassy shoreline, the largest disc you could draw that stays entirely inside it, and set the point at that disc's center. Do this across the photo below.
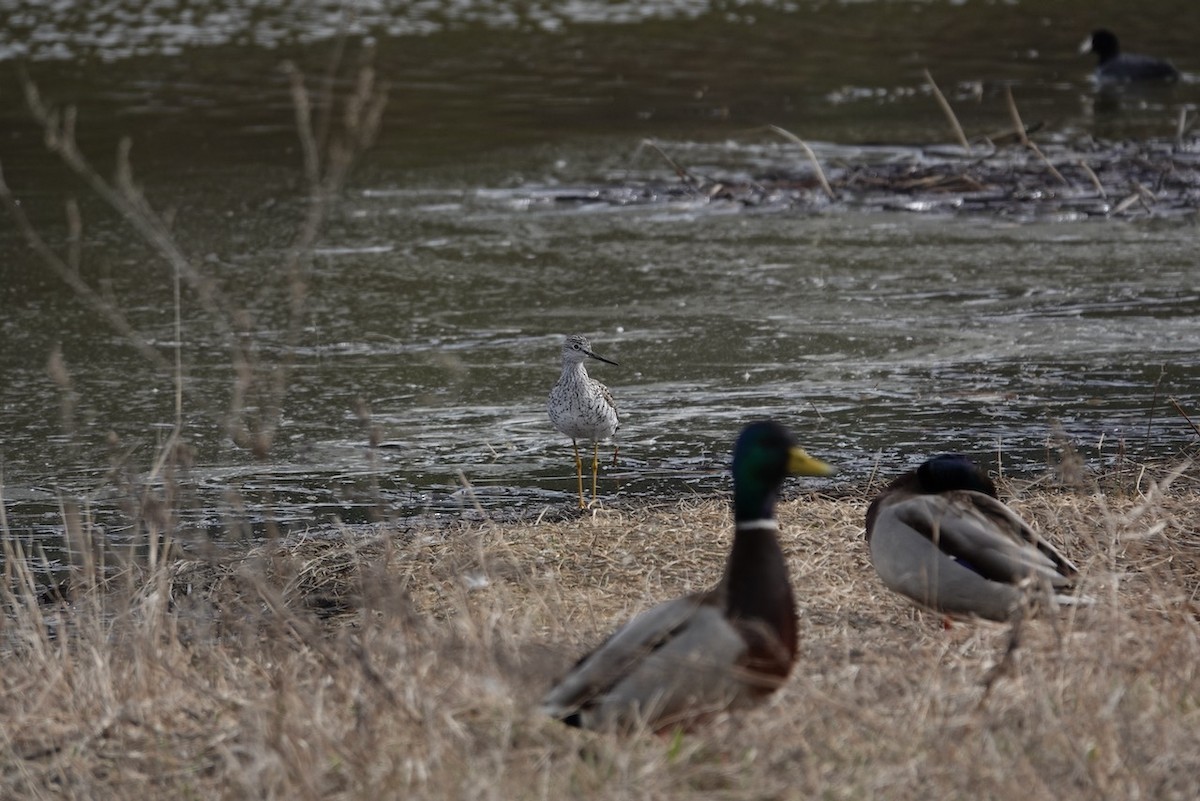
(406, 664)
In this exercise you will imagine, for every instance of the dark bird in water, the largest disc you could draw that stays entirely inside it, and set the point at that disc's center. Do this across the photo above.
(1117, 67)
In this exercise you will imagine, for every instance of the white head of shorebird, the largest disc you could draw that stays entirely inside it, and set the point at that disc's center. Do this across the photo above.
(581, 407)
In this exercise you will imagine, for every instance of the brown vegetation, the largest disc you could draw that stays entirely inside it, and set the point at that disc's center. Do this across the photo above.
(407, 664)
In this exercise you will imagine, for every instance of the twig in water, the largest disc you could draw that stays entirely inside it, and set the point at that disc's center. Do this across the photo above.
(1141, 194)
(1181, 127)
(681, 171)
(1191, 124)
(1162, 371)
(812, 157)
(1183, 414)
(949, 112)
(1095, 180)
(1125, 203)
(470, 490)
(1008, 136)
(1024, 137)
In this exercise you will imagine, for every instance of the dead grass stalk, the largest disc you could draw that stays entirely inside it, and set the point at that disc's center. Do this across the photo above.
(951, 117)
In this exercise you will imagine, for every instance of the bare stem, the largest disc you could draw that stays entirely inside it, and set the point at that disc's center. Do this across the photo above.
(68, 272)
(1026, 141)
(812, 157)
(1184, 415)
(1091, 174)
(124, 197)
(681, 171)
(949, 112)
(330, 146)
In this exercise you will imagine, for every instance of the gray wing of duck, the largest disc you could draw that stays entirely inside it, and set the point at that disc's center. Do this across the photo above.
(676, 661)
(963, 553)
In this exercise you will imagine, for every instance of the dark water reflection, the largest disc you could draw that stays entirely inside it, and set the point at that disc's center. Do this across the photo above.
(439, 295)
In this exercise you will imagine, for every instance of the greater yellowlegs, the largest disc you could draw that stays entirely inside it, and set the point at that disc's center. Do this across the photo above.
(939, 536)
(734, 644)
(581, 407)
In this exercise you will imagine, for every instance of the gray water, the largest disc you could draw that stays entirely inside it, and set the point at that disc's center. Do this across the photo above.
(441, 289)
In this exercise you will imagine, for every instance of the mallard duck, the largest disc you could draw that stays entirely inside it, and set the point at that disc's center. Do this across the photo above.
(581, 407)
(1117, 67)
(939, 536)
(686, 659)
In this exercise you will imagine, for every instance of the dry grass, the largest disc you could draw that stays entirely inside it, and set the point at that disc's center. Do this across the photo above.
(388, 664)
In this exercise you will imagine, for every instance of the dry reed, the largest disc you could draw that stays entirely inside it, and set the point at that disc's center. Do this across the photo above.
(951, 117)
(812, 158)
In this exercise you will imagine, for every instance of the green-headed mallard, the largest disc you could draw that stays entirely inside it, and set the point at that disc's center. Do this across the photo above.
(685, 659)
(581, 407)
(939, 536)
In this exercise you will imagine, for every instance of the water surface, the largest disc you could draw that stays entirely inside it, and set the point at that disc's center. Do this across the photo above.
(439, 293)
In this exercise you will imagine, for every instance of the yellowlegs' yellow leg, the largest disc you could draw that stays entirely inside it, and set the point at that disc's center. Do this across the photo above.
(579, 474)
(595, 467)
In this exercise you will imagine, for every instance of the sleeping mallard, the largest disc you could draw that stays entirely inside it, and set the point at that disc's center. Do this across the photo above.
(939, 536)
(731, 645)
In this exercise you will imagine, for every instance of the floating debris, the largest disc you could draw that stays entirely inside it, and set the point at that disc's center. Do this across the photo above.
(1156, 179)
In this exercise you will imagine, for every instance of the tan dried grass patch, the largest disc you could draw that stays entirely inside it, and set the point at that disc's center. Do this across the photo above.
(406, 664)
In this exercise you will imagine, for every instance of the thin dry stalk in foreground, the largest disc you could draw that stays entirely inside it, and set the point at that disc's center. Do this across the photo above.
(330, 150)
(385, 664)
